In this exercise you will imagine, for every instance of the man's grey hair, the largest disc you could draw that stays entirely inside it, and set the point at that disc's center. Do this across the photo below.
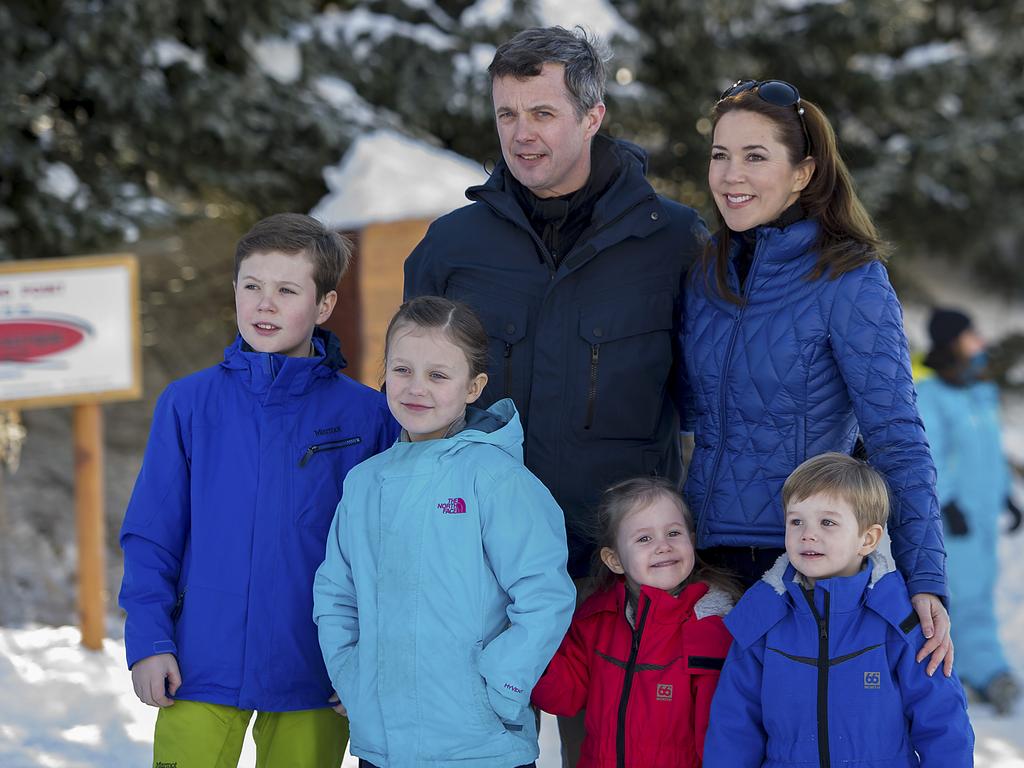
(583, 55)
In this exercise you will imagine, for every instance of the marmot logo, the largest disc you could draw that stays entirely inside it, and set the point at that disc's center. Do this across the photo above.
(453, 507)
(326, 431)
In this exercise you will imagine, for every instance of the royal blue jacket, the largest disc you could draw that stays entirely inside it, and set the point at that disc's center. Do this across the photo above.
(796, 371)
(833, 684)
(586, 347)
(443, 597)
(229, 517)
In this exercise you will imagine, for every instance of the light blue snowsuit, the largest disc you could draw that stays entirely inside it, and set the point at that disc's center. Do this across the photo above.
(963, 428)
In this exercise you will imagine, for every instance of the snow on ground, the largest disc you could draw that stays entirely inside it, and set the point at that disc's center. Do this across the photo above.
(64, 707)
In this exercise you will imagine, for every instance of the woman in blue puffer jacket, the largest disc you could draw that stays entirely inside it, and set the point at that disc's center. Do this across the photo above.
(794, 346)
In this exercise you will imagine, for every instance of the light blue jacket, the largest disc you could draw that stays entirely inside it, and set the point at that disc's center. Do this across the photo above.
(963, 425)
(442, 598)
(966, 441)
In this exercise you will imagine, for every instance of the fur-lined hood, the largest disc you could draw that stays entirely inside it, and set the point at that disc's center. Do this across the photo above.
(879, 588)
(774, 576)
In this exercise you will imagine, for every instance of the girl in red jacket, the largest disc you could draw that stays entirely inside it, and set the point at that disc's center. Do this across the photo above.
(645, 650)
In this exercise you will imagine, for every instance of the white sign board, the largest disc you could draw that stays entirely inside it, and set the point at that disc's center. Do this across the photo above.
(69, 331)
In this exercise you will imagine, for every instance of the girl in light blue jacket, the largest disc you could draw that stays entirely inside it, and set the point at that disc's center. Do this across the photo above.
(444, 591)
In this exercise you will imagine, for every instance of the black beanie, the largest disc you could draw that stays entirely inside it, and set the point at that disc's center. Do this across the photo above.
(945, 325)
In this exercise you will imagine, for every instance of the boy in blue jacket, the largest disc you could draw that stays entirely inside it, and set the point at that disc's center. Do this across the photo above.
(229, 517)
(822, 670)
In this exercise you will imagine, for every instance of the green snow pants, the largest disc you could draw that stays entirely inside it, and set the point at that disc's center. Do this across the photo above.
(194, 734)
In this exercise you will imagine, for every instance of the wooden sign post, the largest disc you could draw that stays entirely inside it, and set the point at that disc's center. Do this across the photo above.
(69, 335)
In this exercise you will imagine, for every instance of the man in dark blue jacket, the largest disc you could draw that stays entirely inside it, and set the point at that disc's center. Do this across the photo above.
(575, 266)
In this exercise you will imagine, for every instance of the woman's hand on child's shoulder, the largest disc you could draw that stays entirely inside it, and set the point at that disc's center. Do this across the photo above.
(935, 625)
(156, 679)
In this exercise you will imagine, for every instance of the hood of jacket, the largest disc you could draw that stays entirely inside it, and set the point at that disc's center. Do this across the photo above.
(869, 587)
(498, 426)
(263, 370)
(698, 598)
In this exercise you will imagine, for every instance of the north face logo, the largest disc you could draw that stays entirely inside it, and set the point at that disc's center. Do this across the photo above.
(664, 692)
(452, 507)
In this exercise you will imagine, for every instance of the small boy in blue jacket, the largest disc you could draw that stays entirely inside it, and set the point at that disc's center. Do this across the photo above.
(229, 517)
(823, 668)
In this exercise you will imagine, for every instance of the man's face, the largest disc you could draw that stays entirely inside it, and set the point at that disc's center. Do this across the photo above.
(544, 144)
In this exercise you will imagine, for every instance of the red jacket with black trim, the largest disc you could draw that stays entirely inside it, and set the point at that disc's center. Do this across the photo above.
(646, 687)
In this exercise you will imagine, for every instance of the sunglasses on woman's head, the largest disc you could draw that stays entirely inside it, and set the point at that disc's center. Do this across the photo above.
(776, 92)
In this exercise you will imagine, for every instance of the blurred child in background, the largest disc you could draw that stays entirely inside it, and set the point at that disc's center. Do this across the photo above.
(960, 409)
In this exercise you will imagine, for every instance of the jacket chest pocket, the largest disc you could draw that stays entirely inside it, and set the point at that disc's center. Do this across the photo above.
(506, 324)
(318, 475)
(622, 366)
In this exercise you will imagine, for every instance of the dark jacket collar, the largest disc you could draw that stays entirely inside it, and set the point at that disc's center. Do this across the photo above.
(628, 208)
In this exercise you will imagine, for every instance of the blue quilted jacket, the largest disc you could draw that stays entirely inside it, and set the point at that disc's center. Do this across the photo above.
(796, 371)
(835, 683)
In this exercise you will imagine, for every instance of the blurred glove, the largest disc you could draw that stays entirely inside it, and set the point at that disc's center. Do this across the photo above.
(1015, 515)
(956, 523)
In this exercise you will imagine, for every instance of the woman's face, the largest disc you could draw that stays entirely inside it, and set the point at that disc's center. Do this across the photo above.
(750, 174)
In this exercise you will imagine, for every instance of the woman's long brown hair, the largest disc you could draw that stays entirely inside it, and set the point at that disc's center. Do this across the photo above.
(847, 237)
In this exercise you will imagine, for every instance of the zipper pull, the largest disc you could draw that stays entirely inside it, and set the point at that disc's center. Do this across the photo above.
(307, 456)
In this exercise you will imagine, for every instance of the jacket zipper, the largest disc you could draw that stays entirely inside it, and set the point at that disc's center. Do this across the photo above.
(178, 606)
(702, 517)
(620, 736)
(315, 449)
(592, 391)
(508, 369)
(824, 757)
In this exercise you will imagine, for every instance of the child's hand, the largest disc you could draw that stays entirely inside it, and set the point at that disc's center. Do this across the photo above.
(339, 707)
(935, 626)
(156, 679)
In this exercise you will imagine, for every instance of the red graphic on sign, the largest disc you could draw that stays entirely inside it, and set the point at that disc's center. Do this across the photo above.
(27, 339)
